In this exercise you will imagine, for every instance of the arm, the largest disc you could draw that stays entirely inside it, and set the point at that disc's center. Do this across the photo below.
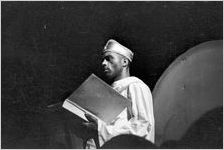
(142, 121)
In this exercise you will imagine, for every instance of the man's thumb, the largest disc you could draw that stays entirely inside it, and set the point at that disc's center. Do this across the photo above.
(90, 118)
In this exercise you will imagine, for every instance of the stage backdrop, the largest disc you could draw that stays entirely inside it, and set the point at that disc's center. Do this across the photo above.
(189, 88)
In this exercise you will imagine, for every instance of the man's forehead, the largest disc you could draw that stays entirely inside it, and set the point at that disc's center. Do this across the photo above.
(108, 53)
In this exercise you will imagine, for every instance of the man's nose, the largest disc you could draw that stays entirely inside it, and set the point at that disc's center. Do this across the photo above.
(104, 62)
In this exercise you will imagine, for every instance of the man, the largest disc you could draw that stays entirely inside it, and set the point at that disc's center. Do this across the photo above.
(137, 120)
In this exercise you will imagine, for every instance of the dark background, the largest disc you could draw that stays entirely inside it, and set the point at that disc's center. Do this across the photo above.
(49, 48)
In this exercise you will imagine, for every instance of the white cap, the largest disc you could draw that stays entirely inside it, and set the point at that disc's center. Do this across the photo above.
(114, 46)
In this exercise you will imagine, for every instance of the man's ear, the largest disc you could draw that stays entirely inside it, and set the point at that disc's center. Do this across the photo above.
(125, 62)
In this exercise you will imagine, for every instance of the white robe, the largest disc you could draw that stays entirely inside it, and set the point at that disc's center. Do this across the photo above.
(138, 121)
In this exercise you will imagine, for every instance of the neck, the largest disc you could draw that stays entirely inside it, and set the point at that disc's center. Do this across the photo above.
(124, 74)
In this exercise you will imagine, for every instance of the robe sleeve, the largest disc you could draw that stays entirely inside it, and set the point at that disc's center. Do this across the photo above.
(141, 122)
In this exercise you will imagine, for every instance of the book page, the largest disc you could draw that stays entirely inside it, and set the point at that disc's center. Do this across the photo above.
(69, 106)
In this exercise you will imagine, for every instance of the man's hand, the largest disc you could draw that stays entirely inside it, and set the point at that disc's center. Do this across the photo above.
(91, 118)
(91, 126)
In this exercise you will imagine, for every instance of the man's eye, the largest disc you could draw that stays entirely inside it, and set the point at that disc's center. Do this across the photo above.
(107, 58)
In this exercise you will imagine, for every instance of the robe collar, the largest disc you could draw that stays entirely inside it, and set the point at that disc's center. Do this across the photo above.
(122, 84)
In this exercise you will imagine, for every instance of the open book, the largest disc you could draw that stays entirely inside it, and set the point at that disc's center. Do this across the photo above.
(96, 98)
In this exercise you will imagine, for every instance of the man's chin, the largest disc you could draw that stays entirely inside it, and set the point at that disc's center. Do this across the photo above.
(108, 75)
(109, 78)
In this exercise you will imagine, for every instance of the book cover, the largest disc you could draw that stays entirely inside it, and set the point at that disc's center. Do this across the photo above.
(96, 98)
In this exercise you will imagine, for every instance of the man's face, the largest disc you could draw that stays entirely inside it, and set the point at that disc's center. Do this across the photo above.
(112, 64)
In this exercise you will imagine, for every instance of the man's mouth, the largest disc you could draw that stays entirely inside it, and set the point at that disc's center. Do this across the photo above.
(106, 70)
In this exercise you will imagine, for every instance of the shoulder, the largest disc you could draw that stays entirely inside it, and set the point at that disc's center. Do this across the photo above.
(138, 84)
(139, 90)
